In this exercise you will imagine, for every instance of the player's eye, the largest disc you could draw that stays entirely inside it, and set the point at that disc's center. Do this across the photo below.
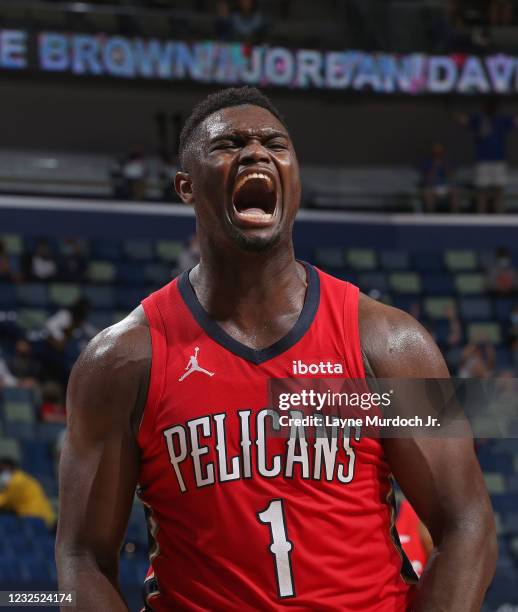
(224, 144)
(277, 145)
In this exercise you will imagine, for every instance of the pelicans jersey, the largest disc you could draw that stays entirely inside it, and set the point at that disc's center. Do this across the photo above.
(408, 525)
(243, 520)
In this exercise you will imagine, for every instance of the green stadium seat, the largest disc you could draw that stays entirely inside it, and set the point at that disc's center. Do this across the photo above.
(470, 284)
(405, 282)
(9, 447)
(361, 259)
(32, 318)
(140, 250)
(33, 294)
(495, 483)
(169, 250)
(13, 243)
(460, 260)
(436, 307)
(64, 294)
(330, 258)
(485, 332)
(18, 412)
(158, 273)
(101, 272)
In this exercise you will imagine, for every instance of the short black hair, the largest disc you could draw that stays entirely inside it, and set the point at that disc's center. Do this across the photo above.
(232, 96)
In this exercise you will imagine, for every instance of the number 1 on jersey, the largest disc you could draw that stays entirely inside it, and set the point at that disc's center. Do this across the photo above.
(280, 547)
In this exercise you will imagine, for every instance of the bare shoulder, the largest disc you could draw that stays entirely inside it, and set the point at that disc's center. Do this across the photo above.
(123, 344)
(111, 376)
(395, 344)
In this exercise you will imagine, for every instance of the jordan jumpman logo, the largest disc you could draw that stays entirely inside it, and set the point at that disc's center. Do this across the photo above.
(193, 366)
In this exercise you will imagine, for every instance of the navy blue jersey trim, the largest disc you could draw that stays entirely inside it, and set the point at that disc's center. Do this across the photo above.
(258, 356)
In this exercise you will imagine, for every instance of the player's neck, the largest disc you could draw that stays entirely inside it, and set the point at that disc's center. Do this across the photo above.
(250, 286)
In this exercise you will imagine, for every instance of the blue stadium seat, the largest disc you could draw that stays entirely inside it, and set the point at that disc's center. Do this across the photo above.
(133, 273)
(20, 430)
(101, 319)
(9, 523)
(475, 308)
(8, 295)
(503, 307)
(394, 260)
(405, 302)
(49, 432)
(157, 273)
(33, 294)
(34, 569)
(100, 296)
(109, 251)
(130, 297)
(491, 461)
(373, 280)
(10, 571)
(428, 262)
(438, 284)
(17, 394)
(37, 459)
(504, 588)
(504, 503)
(34, 527)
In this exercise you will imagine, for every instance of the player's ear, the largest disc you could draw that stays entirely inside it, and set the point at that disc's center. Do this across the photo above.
(183, 186)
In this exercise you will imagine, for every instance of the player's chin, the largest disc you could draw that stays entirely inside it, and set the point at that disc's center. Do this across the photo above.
(256, 240)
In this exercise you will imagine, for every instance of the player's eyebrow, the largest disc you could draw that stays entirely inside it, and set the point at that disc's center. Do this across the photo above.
(261, 133)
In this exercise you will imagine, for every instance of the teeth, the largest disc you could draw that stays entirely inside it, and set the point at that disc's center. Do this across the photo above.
(256, 216)
(253, 175)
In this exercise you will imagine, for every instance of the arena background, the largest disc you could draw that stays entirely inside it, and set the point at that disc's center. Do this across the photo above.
(92, 97)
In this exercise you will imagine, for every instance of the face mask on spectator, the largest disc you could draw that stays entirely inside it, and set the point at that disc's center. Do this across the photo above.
(5, 477)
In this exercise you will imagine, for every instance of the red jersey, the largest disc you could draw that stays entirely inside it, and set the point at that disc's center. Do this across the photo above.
(246, 521)
(408, 524)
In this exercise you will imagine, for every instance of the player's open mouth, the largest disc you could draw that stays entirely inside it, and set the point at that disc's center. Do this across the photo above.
(254, 199)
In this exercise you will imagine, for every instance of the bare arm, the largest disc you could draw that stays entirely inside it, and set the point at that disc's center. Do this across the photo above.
(440, 476)
(100, 462)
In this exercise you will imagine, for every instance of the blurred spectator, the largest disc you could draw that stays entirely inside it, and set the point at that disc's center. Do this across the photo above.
(41, 264)
(247, 22)
(64, 336)
(436, 181)
(490, 130)
(6, 272)
(190, 255)
(513, 320)
(167, 176)
(477, 360)
(502, 276)
(500, 12)
(6, 377)
(73, 265)
(23, 364)
(52, 409)
(223, 22)
(134, 174)
(23, 494)
(64, 323)
(449, 31)
(454, 337)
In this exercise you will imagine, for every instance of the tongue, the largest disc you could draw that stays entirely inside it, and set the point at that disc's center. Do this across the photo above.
(258, 212)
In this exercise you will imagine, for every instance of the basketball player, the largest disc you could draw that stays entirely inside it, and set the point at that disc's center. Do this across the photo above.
(173, 398)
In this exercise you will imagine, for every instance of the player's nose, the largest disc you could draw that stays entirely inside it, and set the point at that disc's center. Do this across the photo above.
(253, 153)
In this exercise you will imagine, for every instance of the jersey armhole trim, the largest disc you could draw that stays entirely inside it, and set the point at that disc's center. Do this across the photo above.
(158, 367)
(351, 313)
